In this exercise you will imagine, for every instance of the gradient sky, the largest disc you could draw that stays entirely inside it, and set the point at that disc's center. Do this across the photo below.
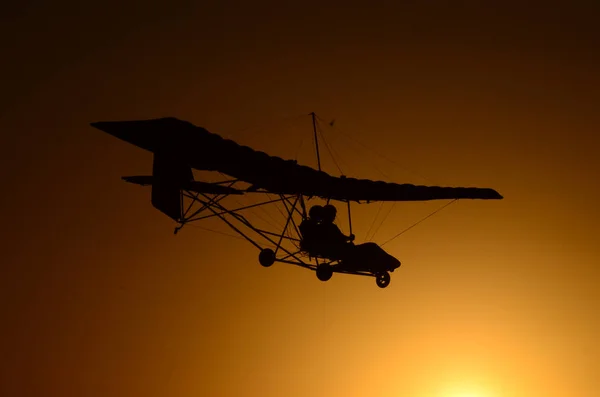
(494, 299)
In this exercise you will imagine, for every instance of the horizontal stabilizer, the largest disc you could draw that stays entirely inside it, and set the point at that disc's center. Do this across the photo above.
(192, 186)
(144, 180)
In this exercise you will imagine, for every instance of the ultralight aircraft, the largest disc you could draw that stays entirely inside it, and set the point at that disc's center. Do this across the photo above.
(179, 146)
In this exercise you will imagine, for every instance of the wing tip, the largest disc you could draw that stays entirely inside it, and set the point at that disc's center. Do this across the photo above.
(494, 195)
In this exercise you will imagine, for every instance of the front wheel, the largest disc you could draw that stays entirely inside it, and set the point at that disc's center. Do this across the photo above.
(382, 279)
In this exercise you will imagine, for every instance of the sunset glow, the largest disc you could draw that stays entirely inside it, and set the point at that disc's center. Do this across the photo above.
(494, 298)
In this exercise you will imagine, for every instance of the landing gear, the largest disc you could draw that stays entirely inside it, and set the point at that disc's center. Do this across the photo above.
(382, 279)
(266, 257)
(324, 271)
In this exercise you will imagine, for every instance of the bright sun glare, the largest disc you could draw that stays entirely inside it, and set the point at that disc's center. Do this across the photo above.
(464, 392)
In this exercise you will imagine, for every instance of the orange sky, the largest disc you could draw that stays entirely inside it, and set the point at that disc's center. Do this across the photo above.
(493, 299)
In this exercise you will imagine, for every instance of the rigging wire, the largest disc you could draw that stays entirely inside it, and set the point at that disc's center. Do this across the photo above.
(215, 231)
(291, 231)
(329, 149)
(252, 210)
(277, 205)
(276, 225)
(383, 220)
(363, 145)
(373, 222)
(416, 223)
(273, 225)
(359, 149)
(333, 155)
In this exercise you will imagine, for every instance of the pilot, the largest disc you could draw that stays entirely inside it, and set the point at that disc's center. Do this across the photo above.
(309, 228)
(330, 232)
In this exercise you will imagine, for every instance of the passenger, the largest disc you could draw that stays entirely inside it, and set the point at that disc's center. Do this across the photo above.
(330, 232)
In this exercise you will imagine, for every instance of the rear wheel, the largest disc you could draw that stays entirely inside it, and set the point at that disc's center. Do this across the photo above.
(324, 271)
(382, 279)
(266, 257)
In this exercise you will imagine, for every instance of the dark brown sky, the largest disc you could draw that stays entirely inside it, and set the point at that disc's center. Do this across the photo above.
(493, 299)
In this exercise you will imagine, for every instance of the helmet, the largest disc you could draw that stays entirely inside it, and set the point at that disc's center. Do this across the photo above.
(329, 213)
(316, 212)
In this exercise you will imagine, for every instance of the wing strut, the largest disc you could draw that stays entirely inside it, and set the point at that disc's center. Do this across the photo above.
(314, 123)
(349, 217)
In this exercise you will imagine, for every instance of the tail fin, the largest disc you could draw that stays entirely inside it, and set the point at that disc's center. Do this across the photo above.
(169, 176)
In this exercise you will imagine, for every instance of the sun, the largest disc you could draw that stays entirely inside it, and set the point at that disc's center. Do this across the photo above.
(464, 392)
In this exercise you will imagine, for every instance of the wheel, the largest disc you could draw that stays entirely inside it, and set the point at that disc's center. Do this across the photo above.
(266, 257)
(382, 279)
(324, 272)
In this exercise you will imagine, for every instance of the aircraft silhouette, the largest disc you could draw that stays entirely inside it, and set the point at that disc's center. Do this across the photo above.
(179, 146)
